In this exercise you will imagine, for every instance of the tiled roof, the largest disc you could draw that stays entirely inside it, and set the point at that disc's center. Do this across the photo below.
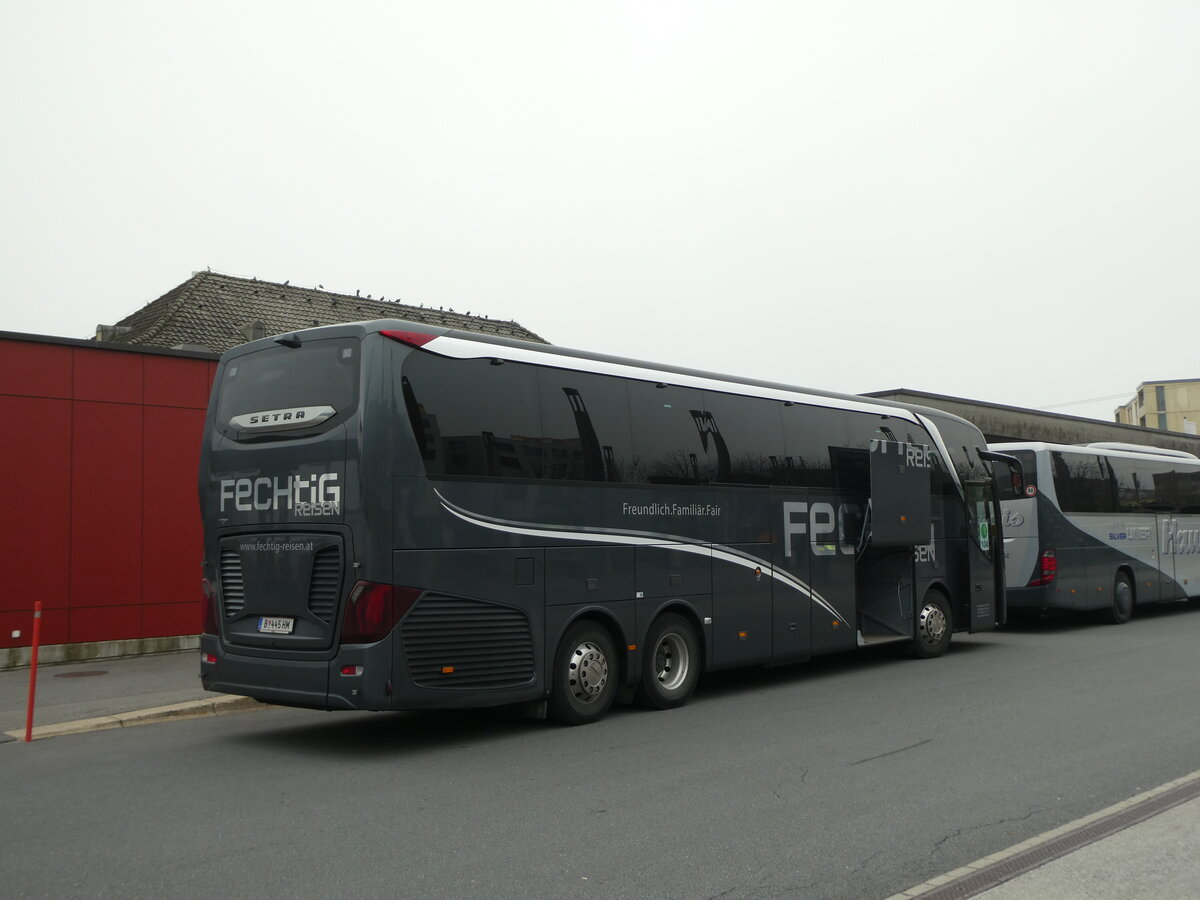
(209, 310)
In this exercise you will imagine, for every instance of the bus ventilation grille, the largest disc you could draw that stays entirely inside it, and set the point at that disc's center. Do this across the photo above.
(324, 583)
(452, 643)
(233, 592)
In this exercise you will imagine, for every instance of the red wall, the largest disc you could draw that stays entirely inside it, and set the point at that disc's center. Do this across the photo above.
(101, 522)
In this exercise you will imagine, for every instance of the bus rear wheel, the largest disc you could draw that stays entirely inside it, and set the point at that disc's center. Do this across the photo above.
(670, 663)
(933, 626)
(1121, 610)
(583, 682)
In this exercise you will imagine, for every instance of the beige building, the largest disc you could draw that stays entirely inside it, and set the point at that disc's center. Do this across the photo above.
(1165, 405)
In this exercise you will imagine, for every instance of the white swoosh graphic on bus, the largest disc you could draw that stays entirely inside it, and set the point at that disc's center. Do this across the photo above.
(641, 539)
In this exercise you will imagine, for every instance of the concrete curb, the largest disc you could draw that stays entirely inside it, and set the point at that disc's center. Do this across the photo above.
(190, 709)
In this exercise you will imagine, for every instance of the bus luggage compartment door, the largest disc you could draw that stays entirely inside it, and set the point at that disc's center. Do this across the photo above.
(901, 508)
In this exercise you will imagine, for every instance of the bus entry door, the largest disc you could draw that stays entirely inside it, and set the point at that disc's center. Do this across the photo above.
(983, 548)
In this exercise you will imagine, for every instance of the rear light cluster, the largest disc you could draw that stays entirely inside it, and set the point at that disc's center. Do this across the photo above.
(373, 610)
(1048, 571)
(412, 338)
(209, 621)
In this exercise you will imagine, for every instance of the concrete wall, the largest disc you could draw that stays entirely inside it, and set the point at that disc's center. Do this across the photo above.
(1011, 423)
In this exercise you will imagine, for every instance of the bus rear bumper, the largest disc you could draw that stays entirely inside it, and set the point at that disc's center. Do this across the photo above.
(312, 684)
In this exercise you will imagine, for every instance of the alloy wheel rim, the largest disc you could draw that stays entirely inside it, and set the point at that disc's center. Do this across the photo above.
(588, 672)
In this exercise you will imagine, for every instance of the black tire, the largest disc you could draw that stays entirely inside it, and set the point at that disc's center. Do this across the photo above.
(671, 663)
(933, 626)
(583, 682)
(1121, 610)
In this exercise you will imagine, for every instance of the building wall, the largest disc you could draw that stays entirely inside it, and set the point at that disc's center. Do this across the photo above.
(1167, 405)
(102, 520)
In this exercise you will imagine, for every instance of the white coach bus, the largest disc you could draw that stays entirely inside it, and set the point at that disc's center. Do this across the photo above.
(1102, 527)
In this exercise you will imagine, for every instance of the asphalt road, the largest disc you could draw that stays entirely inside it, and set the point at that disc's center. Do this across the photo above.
(854, 776)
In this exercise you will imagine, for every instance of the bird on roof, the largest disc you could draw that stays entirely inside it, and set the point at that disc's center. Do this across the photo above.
(321, 287)
(286, 283)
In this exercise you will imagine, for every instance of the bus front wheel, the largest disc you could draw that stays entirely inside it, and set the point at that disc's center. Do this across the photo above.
(583, 682)
(1121, 610)
(933, 626)
(670, 663)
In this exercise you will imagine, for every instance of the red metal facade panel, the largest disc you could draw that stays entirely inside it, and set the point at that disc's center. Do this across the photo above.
(106, 509)
(54, 627)
(108, 376)
(34, 370)
(34, 533)
(167, 619)
(172, 543)
(105, 623)
(108, 535)
(172, 381)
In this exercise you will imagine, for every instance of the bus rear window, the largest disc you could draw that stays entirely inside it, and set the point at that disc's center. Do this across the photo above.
(285, 389)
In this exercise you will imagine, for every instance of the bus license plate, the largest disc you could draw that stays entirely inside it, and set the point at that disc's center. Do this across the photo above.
(276, 624)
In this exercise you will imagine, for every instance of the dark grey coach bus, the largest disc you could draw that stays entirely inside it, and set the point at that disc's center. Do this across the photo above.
(402, 517)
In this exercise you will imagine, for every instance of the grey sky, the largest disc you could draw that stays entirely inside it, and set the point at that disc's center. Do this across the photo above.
(997, 201)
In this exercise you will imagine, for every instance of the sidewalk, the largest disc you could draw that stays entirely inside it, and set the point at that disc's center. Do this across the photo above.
(1143, 848)
(158, 685)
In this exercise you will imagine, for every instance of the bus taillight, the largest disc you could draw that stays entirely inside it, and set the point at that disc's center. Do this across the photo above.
(209, 621)
(412, 338)
(372, 611)
(1048, 572)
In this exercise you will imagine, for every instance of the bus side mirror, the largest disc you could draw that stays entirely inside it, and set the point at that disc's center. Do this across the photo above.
(1012, 464)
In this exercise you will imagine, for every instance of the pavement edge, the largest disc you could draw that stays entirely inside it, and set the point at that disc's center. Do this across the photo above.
(190, 709)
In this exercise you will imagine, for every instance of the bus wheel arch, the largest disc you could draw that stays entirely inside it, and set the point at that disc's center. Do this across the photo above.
(1123, 597)
(671, 660)
(585, 674)
(933, 624)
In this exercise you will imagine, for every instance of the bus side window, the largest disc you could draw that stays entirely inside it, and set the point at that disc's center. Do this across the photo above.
(667, 445)
(1084, 483)
(476, 418)
(808, 434)
(585, 425)
(743, 437)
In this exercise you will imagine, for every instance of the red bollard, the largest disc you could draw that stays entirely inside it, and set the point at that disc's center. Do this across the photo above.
(37, 639)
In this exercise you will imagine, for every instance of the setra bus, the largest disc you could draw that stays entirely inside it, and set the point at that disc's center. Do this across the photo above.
(1101, 527)
(402, 517)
